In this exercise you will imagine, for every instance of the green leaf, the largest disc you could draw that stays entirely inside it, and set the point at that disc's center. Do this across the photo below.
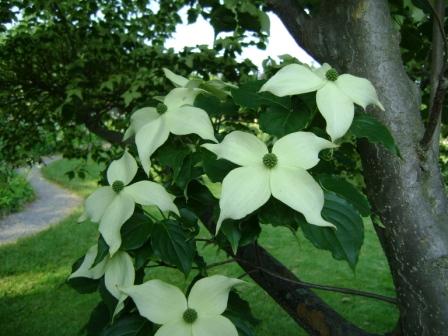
(277, 213)
(247, 95)
(189, 221)
(239, 312)
(214, 89)
(109, 300)
(222, 19)
(82, 285)
(279, 121)
(215, 169)
(230, 229)
(103, 251)
(424, 5)
(250, 230)
(135, 231)
(346, 190)
(214, 106)
(130, 96)
(143, 255)
(171, 244)
(366, 126)
(172, 157)
(345, 242)
(98, 320)
(132, 325)
(189, 170)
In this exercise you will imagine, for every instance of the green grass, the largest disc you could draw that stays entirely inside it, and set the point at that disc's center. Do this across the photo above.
(57, 171)
(35, 300)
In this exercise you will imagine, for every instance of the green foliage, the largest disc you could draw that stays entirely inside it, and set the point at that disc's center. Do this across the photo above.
(366, 126)
(132, 325)
(70, 68)
(239, 312)
(15, 191)
(345, 242)
(136, 231)
(172, 246)
(345, 189)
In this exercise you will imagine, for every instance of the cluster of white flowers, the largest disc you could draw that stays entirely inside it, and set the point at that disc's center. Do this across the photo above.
(281, 172)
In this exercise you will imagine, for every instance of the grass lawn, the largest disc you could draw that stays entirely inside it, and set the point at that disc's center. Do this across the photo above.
(35, 300)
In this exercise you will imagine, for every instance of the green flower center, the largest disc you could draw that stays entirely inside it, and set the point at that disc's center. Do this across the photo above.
(161, 108)
(117, 186)
(270, 160)
(332, 75)
(190, 315)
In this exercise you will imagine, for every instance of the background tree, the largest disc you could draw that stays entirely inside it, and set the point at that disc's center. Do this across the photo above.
(63, 80)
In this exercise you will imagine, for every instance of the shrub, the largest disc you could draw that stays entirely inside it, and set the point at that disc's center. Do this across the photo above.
(15, 190)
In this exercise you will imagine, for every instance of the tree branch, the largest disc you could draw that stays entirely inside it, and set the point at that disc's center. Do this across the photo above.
(294, 18)
(94, 126)
(438, 67)
(302, 304)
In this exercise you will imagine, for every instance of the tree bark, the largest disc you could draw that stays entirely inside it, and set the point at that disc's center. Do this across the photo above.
(357, 37)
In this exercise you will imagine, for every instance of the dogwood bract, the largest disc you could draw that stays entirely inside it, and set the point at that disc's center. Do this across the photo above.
(177, 80)
(200, 315)
(281, 174)
(336, 94)
(176, 115)
(112, 205)
(118, 272)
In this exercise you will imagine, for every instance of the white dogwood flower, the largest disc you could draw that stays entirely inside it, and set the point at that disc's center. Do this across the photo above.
(199, 315)
(118, 272)
(112, 205)
(176, 115)
(177, 80)
(281, 174)
(336, 94)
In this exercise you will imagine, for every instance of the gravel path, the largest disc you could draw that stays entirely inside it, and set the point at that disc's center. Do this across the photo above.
(52, 204)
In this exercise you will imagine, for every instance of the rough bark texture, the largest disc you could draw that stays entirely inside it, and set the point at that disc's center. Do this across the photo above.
(357, 36)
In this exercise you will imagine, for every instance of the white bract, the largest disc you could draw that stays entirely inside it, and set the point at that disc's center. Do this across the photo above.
(336, 94)
(112, 205)
(176, 115)
(177, 80)
(118, 272)
(200, 315)
(281, 174)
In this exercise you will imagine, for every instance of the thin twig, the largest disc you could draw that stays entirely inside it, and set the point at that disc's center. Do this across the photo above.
(219, 263)
(438, 67)
(343, 290)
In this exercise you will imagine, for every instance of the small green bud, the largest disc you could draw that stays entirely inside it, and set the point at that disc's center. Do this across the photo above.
(270, 160)
(117, 186)
(190, 315)
(332, 75)
(161, 108)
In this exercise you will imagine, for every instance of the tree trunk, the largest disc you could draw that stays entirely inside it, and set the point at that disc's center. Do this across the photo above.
(357, 37)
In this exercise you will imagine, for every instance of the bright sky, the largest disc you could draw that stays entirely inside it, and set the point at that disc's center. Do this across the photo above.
(201, 32)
